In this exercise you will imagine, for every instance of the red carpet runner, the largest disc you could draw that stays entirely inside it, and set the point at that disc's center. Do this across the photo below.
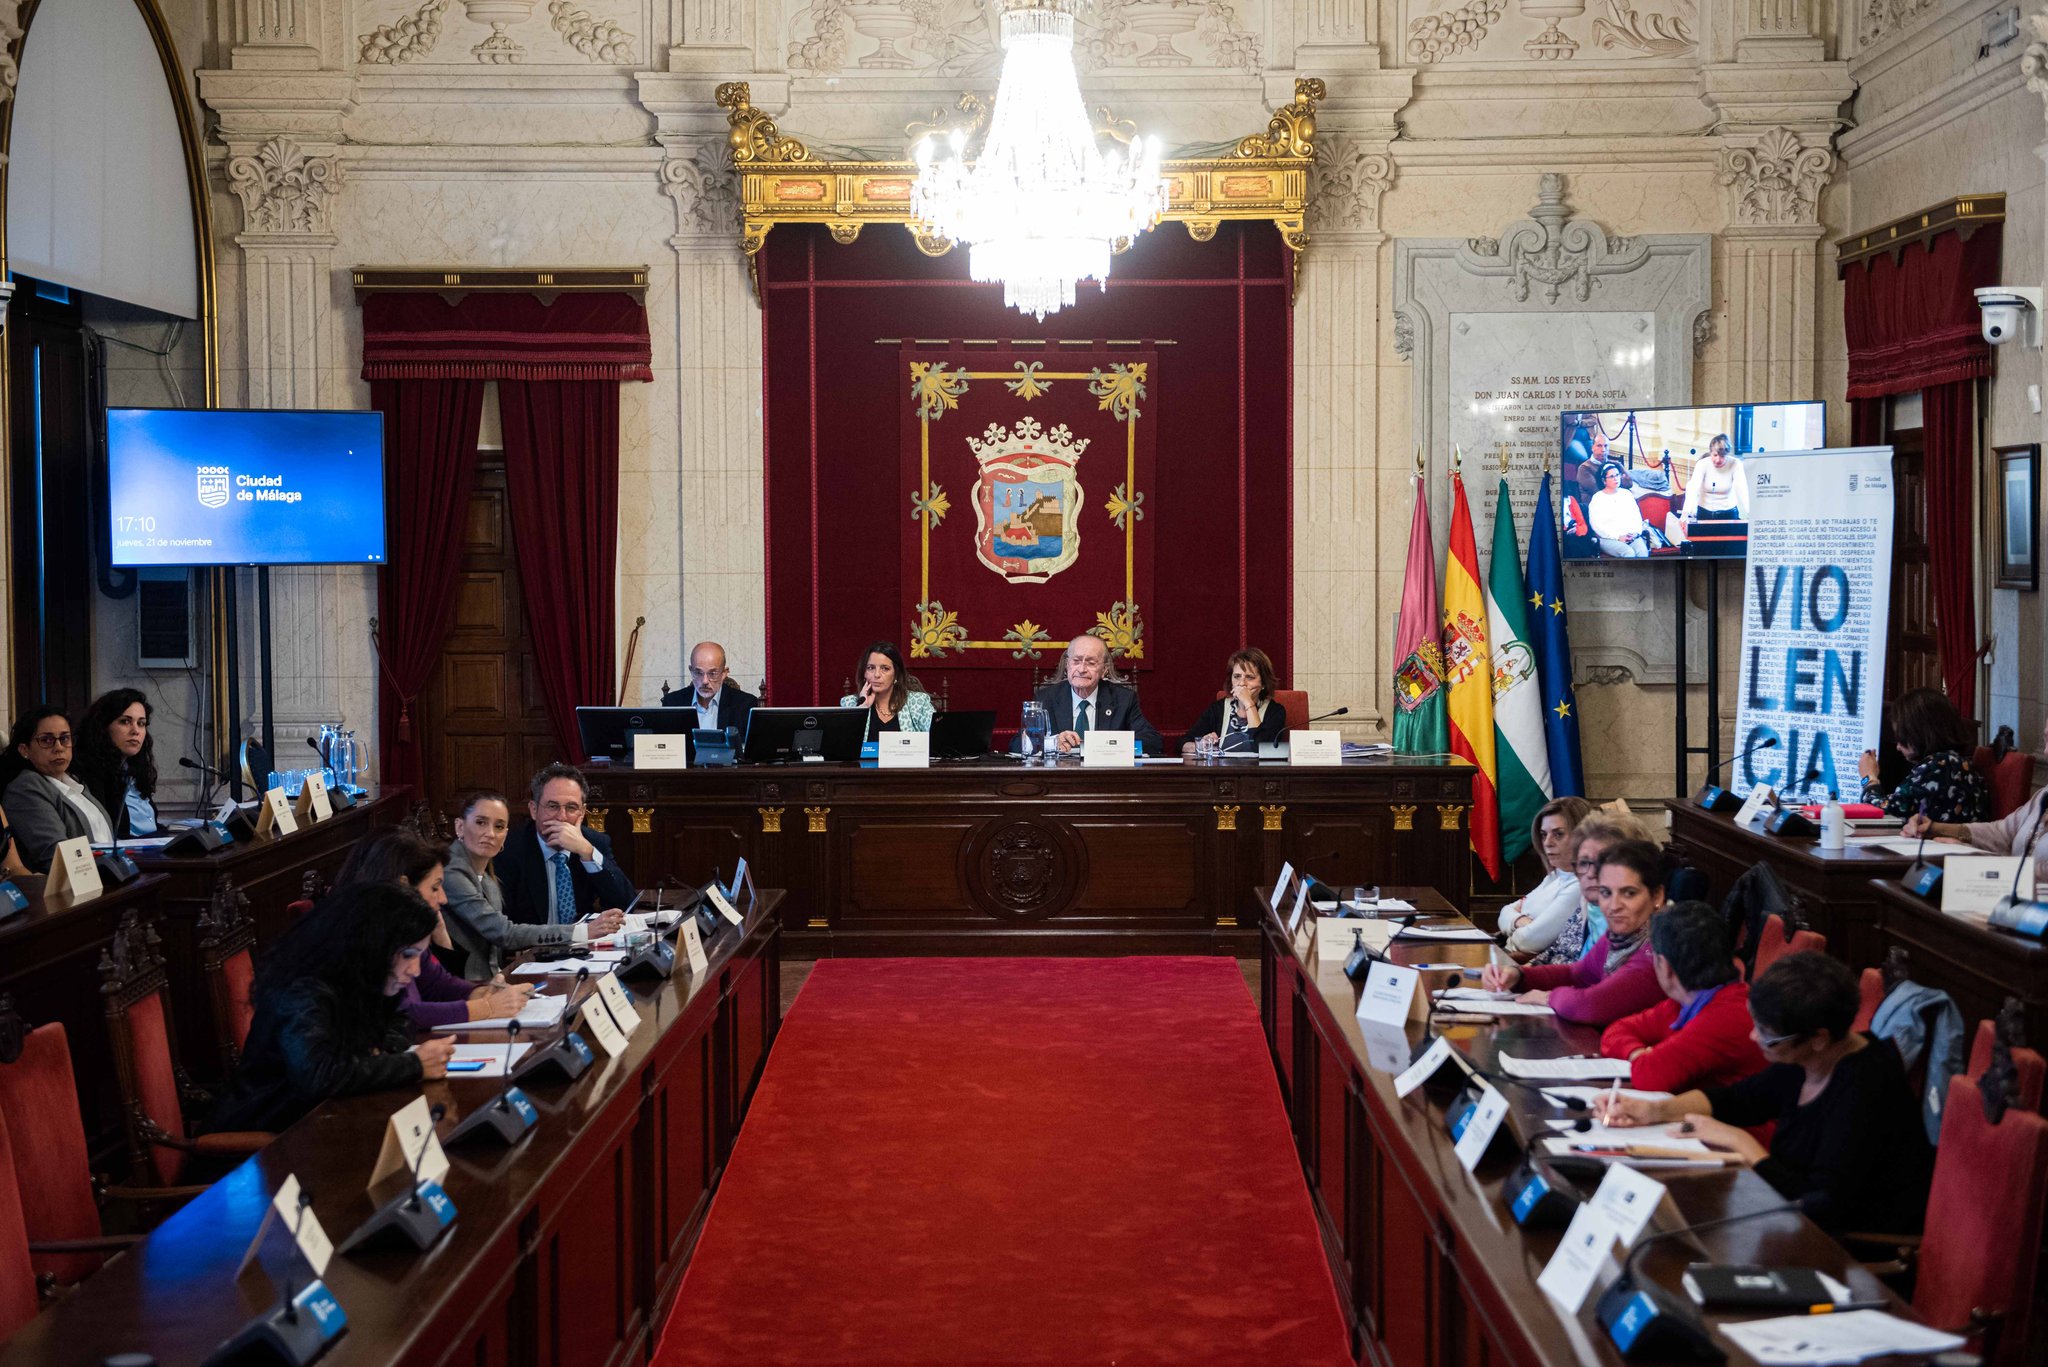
(1013, 1161)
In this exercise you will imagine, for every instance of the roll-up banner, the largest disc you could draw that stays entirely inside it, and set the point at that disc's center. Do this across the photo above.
(1816, 598)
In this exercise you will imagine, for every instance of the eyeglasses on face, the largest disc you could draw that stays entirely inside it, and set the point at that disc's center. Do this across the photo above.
(55, 741)
(562, 809)
(1773, 1041)
(1587, 865)
(717, 673)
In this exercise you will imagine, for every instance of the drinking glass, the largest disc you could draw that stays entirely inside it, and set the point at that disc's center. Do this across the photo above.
(1366, 899)
(1207, 747)
(1034, 728)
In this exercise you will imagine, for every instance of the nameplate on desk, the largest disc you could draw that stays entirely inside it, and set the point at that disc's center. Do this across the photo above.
(1586, 1257)
(741, 890)
(1315, 747)
(73, 870)
(1423, 1069)
(1280, 886)
(660, 752)
(1337, 936)
(410, 1144)
(1480, 1125)
(617, 1001)
(903, 750)
(303, 1225)
(313, 803)
(1972, 884)
(598, 1022)
(1109, 750)
(1300, 905)
(1760, 797)
(274, 816)
(725, 908)
(1628, 1198)
(1389, 996)
(693, 946)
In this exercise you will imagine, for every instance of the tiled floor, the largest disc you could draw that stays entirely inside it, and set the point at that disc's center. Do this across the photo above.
(794, 971)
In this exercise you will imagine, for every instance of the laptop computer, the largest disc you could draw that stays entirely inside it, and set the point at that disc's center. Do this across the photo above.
(963, 735)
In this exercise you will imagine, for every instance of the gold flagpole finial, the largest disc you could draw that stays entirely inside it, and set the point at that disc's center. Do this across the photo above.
(1503, 460)
(1418, 460)
(1457, 460)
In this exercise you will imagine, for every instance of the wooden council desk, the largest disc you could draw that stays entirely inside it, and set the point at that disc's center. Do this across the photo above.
(1430, 1266)
(1832, 888)
(998, 857)
(1977, 966)
(566, 1249)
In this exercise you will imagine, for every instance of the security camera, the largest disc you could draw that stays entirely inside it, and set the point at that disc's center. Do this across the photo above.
(2011, 311)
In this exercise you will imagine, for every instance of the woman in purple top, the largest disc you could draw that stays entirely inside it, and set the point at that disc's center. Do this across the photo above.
(1617, 977)
(436, 997)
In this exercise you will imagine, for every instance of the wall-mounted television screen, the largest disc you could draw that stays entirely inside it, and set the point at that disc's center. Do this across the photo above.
(1657, 483)
(188, 486)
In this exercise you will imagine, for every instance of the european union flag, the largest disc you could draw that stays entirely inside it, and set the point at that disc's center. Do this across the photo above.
(1547, 637)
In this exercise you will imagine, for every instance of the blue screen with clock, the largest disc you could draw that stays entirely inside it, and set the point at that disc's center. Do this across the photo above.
(245, 487)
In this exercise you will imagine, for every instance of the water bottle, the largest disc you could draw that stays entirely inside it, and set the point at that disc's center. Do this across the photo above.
(1834, 823)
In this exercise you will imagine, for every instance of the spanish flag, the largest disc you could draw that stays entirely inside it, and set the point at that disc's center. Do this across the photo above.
(1468, 667)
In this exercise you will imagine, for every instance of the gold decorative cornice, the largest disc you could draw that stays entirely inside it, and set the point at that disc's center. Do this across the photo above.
(1964, 214)
(1263, 179)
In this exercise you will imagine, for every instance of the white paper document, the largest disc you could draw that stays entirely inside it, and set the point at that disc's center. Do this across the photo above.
(1559, 1096)
(540, 1012)
(1386, 906)
(1515, 1066)
(491, 1056)
(595, 961)
(1799, 1340)
(1482, 1007)
(1462, 933)
(1585, 1146)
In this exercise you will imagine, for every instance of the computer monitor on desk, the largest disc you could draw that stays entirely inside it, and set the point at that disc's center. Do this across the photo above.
(777, 735)
(608, 731)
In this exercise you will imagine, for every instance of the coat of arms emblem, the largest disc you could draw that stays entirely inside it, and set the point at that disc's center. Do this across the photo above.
(213, 486)
(1027, 501)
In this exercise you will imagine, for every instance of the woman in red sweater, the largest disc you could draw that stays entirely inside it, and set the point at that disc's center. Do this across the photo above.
(1699, 1036)
(1615, 977)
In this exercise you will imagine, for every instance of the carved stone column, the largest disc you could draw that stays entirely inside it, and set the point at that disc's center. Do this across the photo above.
(1341, 498)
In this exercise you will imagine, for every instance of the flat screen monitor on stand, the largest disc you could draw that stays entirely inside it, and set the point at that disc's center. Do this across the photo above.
(608, 732)
(779, 735)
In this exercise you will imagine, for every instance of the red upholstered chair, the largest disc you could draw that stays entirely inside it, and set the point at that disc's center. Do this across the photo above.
(19, 1300)
(1870, 990)
(1773, 944)
(227, 955)
(136, 990)
(1295, 700)
(1977, 1260)
(2011, 777)
(2030, 1069)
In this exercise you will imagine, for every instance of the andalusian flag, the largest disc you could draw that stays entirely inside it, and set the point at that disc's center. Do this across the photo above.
(1468, 666)
(1419, 727)
(1524, 764)
(1553, 651)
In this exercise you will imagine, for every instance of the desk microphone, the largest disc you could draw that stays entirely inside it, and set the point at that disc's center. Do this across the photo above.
(508, 1116)
(435, 1112)
(1649, 1319)
(2024, 916)
(1922, 878)
(1715, 798)
(1340, 712)
(187, 762)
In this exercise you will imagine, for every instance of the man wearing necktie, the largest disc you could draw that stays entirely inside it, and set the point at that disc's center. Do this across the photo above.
(557, 870)
(1085, 701)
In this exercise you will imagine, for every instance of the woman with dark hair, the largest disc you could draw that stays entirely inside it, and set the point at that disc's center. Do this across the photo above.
(1699, 1036)
(47, 804)
(435, 997)
(116, 760)
(1246, 717)
(893, 705)
(1615, 977)
(1847, 1130)
(475, 911)
(1927, 730)
(328, 1021)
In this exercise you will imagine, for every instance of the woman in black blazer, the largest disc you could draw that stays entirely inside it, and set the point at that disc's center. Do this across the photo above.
(1247, 716)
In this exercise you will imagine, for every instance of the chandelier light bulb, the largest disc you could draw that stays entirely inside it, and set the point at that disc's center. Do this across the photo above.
(1041, 207)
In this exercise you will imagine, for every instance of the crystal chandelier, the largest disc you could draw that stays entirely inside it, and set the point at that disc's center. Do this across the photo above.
(1041, 207)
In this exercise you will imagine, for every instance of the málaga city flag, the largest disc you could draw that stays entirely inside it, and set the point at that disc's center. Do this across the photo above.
(1553, 651)
(1469, 669)
(1419, 727)
(1523, 778)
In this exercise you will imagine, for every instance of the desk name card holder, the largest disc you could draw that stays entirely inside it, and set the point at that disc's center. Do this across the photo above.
(419, 1212)
(1280, 887)
(1315, 747)
(618, 1003)
(274, 815)
(73, 870)
(741, 891)
(1760, 798)
(693, 947)
(1109, 750)
(305, 1320)
(903, 750)
(597, 1019)
(313, 803)
(1975, 884)
(1474, 1121)
(660, 752)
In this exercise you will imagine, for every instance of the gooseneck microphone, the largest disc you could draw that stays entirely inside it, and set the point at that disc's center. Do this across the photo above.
(436, 1112)
(1715, 798)
(1340, 712)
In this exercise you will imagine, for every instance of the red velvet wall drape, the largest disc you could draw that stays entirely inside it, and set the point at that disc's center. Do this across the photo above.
(430, 431)
(1222, 513)
(559, 363)
(562, 482)
(1911, 322)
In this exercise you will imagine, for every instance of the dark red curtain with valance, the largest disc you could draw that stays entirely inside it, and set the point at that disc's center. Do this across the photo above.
(559, 364)
(1221, 517)
(562, 483)
(430, 430)
(1912, 324)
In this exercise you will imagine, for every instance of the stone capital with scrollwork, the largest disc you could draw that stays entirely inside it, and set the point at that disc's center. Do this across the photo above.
(699, 179)
(286, 189)
(2034, 59)
(10, 34)
(1775, 179)
(1350, 176)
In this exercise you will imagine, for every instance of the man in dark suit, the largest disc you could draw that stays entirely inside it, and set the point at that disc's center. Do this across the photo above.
(719, 702)
(1084, 701)
(555, 870)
